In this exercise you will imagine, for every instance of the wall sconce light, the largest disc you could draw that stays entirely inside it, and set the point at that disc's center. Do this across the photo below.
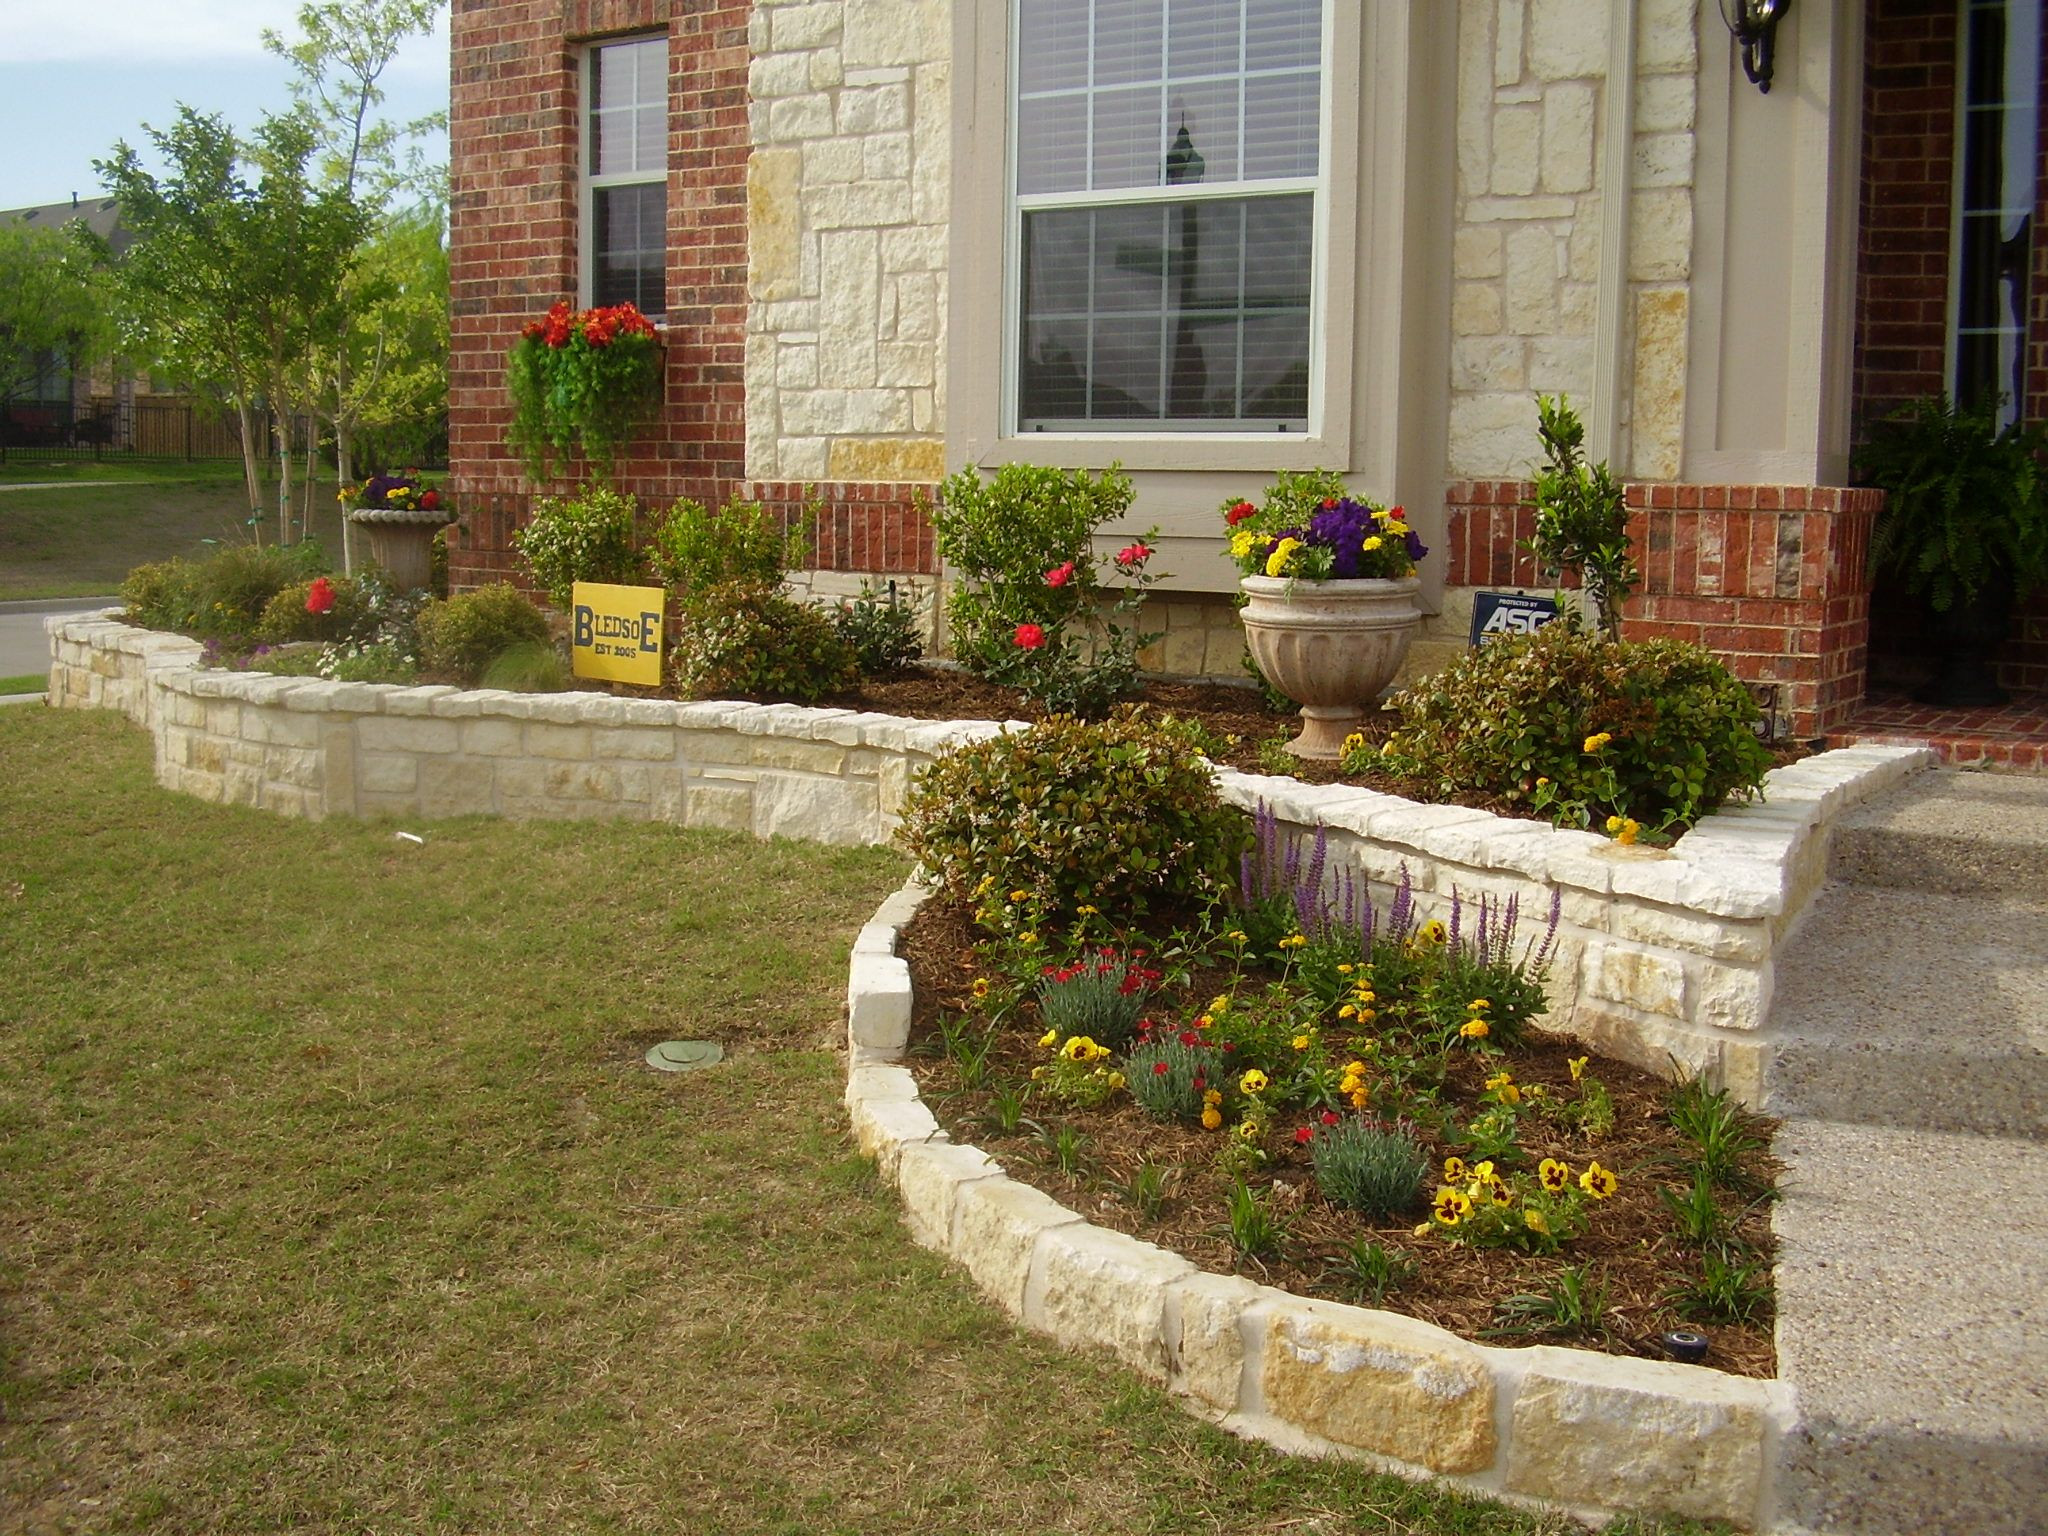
(1755, 26)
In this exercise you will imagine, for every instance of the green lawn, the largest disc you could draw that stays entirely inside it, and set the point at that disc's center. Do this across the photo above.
(81, 537)
(335, 1197)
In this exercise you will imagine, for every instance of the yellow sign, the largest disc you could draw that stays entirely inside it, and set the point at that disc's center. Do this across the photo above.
(615, 633)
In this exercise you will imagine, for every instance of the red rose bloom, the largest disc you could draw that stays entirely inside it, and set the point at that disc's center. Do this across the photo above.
(1030, 636)
(1060, 574)
(320, 596)
(1133, 554)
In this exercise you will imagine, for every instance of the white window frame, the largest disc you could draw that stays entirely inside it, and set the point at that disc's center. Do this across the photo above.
(590, 182)
(1018, 204)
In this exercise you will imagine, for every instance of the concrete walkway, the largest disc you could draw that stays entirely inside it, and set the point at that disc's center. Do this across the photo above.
(1912, 1075)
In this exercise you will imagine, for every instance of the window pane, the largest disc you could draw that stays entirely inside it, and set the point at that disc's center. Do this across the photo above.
(1283, 34)
(629, 108)
(628, 259)
(1282, 117)
(1196, 311)
(1204, 38)
(1128, 38)
(1052, 143)
(1053, 45)
(1128, 152)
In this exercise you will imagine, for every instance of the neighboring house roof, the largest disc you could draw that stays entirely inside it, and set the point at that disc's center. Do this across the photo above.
(101, 215)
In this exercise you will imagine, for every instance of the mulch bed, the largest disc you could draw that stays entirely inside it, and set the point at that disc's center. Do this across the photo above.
(1630, 1239)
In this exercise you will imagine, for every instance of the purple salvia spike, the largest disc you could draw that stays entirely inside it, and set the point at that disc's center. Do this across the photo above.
(1244, 877)
(1403, 914)
(1457, 913)
(1318, 857)
(1550, 933)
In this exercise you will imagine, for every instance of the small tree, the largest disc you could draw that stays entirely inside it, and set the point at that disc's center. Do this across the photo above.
(52, 302)
(1581, 519)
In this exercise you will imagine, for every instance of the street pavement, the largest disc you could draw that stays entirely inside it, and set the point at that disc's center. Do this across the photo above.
(24, 648)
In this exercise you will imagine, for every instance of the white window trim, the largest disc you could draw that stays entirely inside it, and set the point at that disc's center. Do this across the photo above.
(589, 182)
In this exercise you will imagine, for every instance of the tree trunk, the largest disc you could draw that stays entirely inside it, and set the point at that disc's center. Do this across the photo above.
(252, 471)
(283, 427)
(344, 475)
(306, 490)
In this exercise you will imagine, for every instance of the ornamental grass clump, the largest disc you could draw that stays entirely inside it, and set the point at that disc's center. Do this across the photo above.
(1376, 1170)
(1121, 814)
(1581, 730)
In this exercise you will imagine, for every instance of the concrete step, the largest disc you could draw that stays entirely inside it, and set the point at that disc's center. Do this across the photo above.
(1913, 1326)
(1950, 831)
(1917, 1010)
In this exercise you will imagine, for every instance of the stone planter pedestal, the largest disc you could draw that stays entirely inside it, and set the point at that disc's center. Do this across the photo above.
(1333, 645)
(402, 541)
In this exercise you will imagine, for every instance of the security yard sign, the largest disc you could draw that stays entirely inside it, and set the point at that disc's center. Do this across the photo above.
(615, 633)
(1509, 613)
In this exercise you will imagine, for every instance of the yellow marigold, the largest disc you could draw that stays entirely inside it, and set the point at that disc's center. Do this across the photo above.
(1499, 1080)
(1276, 561)
(1213, 1097)
(1595, 742)
(1598, 1182)
(1629, 830)
(1360, 1097)
(1220, 1003)
(1027, 938)
(1019, 895)
(1474, 1029)
(1241, 543)
(1614, 824)
(1372, 543)
(1478, 1005)
(1087, 911)
(1253, 1081)
(1346, 969)
(1211, 1118)
(1452, 1206)
(1299, 1042)
(1348, 1011)
(1510, 1094)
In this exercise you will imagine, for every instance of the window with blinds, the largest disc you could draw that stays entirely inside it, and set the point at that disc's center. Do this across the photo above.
(625, 212)
(1165, 197)
(2000, 146)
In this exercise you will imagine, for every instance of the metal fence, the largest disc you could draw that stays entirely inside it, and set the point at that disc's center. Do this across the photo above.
(144, 427)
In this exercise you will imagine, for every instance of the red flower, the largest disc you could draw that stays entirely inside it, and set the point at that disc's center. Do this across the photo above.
(1060, 574)
(1239, 513)
(431, 501)
(1030, 636)
(555, 332)
(1189, 1037)
(1329, 502)
(1159, 1069)
(1133, 554)
(1329, 1117)
(1303, 1136)
(320, 596)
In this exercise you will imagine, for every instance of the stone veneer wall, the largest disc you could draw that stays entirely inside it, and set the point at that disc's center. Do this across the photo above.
(1662, 953)
(1531, 102)
(1571, 1427)
(1770, 578)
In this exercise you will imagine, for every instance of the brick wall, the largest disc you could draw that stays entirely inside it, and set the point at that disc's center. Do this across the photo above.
(1770, 578)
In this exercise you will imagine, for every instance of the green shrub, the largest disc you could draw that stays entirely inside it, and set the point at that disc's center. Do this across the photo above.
(1374, 1169)
(1122, 814)
(743, 640)
(287, 618)
(163, 595)
(1581, 519)
(1030, 610)
(695, 549)
(1521, 717)
(586, 538)
(223, 596)
(884, 633)
(462, 635)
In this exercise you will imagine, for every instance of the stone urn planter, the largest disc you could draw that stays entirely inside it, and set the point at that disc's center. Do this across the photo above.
(402, 541)
(1333, 645)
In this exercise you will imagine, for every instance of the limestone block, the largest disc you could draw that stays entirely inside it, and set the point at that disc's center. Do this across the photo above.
(1568, 137)
(400, 701)
(1666, 104)
(878, 1001)
(778, 74)
(885, 156)
(1630, 973)
(1724, 889)
(1475, 309)
(1507, 42)
(774, 223)
(568, 743)
(1666, 928)
(795, 118)
(491, 738)
(385, 773)
(1532, 275)
(388, 734)
(1476, 251)
(884, 32)
(1660, 364)
(929, 1175)
(827, 69)
(1488, 363)
(1560, 365)
(1486, 210)
(1731, 995)
(888, 460)
(1096, 1287)
(721, 805)
(1660, 236)
(1378, 1382)
(1517, 151)
(996, 1230)
(1665, 41)
(803, 26)
(1205, 1323)
(1567, 39)
(1577, 308)
(905, 363)
(917, 306)
(1662, 160)
(796, 364)
(1475, 98)
(883, 1129)
(831, 412)
(635, 743)
(816, 810)
(454, 786)
(1598, 1429)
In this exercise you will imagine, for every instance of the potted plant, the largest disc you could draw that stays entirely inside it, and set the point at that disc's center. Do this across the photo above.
(582, 383)
(401, 518)
(1329, 599)
(1964, 528)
